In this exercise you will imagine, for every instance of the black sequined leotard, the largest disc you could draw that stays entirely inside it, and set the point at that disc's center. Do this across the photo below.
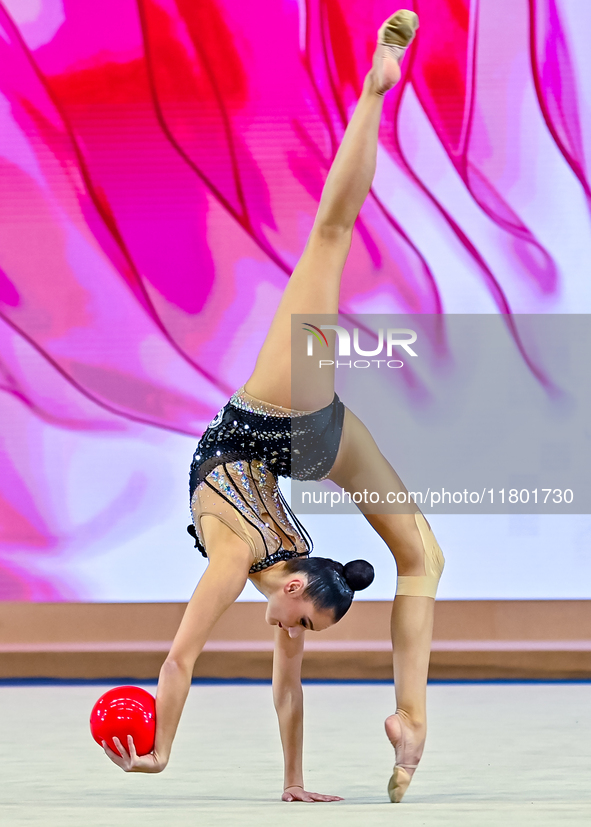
(247, 445)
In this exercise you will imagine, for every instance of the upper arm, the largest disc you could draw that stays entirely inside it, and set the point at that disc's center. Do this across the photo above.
(221, 584)
(287, 659)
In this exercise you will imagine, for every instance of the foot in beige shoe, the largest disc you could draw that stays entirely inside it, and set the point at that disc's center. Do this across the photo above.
(408, 745)
(394, 36)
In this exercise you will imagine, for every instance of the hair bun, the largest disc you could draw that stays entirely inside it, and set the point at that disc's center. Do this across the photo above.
(339, 568)
(359, 574)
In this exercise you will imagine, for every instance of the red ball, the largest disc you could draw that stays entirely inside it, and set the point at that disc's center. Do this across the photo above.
(123, 711)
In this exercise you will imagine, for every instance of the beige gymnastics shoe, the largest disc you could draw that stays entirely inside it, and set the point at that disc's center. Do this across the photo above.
(408, 748)
(394, 37)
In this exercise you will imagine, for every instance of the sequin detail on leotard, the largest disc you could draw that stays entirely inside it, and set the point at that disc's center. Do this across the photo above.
(303, 447)
(243, 492)
(245, 402)
(246, 434)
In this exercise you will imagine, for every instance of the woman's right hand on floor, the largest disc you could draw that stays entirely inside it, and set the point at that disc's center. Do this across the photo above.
(130, 761)
(299, 794)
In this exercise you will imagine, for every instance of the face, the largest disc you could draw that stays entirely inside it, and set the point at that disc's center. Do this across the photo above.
(288, 609)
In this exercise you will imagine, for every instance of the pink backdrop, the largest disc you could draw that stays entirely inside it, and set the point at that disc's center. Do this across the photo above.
(162, 162)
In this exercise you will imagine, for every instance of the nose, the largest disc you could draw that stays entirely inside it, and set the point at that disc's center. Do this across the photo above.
(295, 631)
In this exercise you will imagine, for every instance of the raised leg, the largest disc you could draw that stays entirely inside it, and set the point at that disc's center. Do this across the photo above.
(315, 283)
(360, 465)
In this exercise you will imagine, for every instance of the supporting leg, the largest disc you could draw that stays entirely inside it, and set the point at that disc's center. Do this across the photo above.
(360, 465)
(411, 631)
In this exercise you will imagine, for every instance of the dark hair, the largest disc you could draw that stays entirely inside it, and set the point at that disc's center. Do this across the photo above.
(330, 584)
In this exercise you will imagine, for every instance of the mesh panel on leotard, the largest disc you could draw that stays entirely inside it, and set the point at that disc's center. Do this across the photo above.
(246, 497)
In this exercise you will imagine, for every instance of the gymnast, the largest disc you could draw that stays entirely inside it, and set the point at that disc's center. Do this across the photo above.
(240, 518)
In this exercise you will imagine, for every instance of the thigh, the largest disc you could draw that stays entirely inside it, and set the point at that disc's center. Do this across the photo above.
(360, 466)
(313, 288)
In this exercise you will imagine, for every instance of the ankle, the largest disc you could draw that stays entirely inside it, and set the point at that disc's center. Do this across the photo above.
(416, 723)
(371, 85)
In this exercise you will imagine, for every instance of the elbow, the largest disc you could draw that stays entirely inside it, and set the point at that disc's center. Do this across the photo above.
(177, 667)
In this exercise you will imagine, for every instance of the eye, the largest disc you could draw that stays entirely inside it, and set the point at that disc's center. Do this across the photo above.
(303, 623)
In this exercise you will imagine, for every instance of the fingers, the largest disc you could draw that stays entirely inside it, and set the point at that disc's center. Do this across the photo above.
(131, 761)
(112, 755)
(120, 748)
(303, 795)
(131, 748)
(318, 797)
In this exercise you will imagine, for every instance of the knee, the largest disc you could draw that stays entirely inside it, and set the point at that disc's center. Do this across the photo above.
(425, 582)
(330, 232)
(409, 553)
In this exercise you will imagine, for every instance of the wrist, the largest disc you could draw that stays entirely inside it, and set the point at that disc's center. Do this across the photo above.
(294, 781)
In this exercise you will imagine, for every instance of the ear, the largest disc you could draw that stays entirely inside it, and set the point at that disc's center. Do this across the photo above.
(294, 586)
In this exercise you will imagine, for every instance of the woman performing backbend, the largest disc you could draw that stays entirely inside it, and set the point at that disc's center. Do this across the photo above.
(235, 497)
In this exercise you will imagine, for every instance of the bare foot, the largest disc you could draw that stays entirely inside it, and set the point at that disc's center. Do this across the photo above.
(408, 742)
(393, 37)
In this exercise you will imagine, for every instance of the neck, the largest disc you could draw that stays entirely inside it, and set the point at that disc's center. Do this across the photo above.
(269, 580)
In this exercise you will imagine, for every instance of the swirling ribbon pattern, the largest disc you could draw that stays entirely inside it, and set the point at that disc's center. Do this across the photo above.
(162, 162)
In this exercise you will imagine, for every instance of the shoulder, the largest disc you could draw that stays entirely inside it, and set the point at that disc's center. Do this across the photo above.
(224, 544)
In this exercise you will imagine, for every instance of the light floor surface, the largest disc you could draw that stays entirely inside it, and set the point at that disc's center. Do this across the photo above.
(497, 754)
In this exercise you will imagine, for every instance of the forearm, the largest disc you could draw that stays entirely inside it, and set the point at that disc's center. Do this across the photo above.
(173, 688)
(220, 585)
(289, 704)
